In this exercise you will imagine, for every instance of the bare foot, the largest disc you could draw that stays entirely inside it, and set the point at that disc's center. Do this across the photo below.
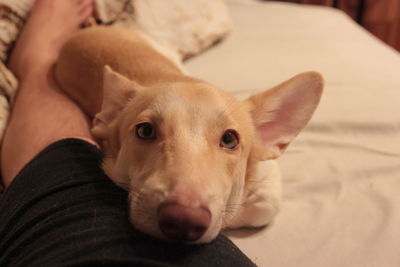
(48, 27)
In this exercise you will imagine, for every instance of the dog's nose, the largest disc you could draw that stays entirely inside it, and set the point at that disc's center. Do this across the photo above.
(182, 223)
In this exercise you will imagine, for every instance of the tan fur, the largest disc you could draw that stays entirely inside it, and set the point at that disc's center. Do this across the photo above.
(80, 66)
(186, 162)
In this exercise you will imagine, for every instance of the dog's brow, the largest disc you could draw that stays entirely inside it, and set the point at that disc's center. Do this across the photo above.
(225, 114)
(153, 113)
(222, 116)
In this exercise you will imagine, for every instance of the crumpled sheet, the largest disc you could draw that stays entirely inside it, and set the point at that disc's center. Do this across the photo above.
(341, 175)
(178, 28)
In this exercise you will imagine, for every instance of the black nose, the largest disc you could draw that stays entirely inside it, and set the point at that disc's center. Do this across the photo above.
(178, 222)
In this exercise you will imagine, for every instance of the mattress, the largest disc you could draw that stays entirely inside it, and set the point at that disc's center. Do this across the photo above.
(341, 176)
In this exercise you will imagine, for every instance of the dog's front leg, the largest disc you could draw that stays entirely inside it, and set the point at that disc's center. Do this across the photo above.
(262, 199)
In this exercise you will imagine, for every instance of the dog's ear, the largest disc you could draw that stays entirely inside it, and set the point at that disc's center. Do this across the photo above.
(117, 91)
(280, 113)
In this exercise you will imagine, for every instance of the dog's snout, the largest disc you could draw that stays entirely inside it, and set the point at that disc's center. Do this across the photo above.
(178, 222)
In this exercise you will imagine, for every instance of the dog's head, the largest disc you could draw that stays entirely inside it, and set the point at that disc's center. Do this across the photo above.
(185, 150)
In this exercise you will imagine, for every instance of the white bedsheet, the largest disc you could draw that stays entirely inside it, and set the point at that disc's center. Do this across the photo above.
(341, 176)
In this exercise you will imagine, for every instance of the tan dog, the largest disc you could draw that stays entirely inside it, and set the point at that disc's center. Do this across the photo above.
(186, 151)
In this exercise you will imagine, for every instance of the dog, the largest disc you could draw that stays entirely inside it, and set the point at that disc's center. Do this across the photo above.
(187, 152)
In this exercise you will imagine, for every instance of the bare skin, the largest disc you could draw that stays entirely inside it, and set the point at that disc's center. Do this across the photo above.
(42, 113)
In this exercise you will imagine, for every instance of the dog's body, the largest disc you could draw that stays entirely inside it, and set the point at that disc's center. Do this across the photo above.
(186, 151)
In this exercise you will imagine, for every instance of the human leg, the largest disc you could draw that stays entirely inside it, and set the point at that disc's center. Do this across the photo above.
(42, 113)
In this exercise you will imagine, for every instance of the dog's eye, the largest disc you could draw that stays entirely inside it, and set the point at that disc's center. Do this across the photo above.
(229, 139)
(145, 131)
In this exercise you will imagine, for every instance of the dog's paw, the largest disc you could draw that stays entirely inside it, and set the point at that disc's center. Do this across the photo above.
(262, 201)
(258, 210)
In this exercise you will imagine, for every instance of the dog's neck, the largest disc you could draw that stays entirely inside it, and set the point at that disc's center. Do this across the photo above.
(151, 67)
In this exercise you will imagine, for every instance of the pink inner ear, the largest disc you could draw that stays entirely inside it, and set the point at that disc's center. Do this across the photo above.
(281, 113)
(282, 146)
(274, 134)
(286, 118)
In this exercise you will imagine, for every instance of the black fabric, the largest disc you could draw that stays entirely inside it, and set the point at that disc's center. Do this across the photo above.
(61, 210)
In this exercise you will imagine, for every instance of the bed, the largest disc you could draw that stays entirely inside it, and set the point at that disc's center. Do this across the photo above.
(341, 176)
